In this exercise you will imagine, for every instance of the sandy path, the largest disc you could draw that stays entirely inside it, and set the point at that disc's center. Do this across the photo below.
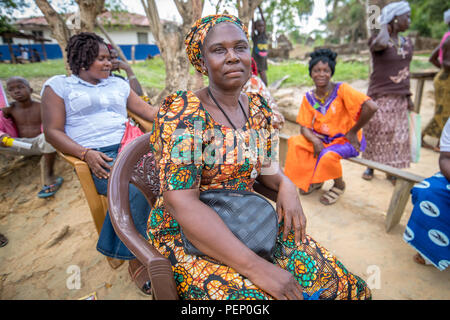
(35, 266)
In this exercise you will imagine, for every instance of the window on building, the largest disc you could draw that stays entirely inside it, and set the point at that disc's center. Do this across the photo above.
(142, 37)
(38, 34)
(7, 40)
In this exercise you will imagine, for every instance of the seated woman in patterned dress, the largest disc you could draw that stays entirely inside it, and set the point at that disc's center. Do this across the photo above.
(218, 47)
(428, 228)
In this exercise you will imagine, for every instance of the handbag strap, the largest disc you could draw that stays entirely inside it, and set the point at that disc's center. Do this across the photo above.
(226, 116)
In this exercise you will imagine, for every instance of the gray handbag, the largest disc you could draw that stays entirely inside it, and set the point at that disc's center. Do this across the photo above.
(250, 217)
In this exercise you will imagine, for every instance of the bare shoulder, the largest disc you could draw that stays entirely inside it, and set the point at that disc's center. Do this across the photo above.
(36, 104)
(446, 43)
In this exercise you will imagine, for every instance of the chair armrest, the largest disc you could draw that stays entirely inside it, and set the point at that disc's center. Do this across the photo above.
(73, 161)
(265, 191)
(97, 203)
(144, 124)
(158, 266)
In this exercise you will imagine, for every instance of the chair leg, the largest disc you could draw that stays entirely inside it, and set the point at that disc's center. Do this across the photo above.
(114, 263)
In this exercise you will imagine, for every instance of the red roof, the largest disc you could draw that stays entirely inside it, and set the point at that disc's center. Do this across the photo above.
(108, 18)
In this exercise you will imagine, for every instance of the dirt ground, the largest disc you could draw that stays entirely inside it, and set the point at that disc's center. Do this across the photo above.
(49, 240)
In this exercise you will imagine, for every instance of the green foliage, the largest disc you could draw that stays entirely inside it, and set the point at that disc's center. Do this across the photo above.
(7, 9)
(346, 20)
(8, 6)
(115, 6)
(427, 17)
(286, 14)
(5, 25)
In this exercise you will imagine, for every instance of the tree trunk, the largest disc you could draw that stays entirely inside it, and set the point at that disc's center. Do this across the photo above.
(246, 8)
(170, 40)
(195, 81)
(60, 31)
(119, 51)
(11, 52)
(89, 10)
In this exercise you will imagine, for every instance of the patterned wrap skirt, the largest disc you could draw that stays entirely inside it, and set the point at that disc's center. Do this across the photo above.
(442, 106)
(428, 228)
(387, 132)
(321, 275)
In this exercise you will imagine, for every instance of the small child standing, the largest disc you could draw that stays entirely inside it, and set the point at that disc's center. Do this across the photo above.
(260, 48)
(24, 115)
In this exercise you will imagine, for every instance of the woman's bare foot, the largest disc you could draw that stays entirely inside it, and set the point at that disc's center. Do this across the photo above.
(313, 187)
(332, 195)
(419, 259)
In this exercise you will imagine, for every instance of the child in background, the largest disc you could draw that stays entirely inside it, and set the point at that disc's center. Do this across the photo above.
(260, 48)
(22, 121)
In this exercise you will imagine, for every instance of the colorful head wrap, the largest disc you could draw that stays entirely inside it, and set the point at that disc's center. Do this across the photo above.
(195, 38)
(447, 16)
(392, 10)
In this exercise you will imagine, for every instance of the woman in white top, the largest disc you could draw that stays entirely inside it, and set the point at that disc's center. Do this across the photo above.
(84, 115)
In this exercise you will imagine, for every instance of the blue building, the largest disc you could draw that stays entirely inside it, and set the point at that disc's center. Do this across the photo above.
(127, 30)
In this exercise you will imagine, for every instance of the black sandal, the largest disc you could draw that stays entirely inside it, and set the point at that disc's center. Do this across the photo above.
(368, 174)
(392, 179)
(141, 279)
(3, 240)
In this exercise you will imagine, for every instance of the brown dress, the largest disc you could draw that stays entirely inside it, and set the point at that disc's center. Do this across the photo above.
(387, 132)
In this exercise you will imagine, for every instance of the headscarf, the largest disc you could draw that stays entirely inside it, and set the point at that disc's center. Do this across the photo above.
(447, 16)
(393, 10)
(195, 38)
(324, 55)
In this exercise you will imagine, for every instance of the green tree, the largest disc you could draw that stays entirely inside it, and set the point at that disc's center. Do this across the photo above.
(7, 10)
(286, 14)
(346, 22)
(427, 17)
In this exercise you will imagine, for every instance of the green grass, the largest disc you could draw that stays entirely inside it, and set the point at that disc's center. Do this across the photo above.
(43, 69)
(151, 73)
(299, 74)
(418, 65)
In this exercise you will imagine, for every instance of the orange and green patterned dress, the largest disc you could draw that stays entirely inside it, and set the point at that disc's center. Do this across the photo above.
(199, 277)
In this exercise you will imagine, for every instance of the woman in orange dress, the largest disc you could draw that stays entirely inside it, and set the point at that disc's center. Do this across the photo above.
(331, 117)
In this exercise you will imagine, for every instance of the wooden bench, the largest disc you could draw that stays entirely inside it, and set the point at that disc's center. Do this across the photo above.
(421, 78)
(400, 195)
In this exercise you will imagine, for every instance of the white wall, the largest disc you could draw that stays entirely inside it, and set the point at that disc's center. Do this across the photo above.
(47, 35)
(126, 36)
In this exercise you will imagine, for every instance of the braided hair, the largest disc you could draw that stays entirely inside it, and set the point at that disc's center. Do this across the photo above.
(82, 50)
(324, 55)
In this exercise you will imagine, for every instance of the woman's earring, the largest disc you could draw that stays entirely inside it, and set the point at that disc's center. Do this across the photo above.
(395, 21)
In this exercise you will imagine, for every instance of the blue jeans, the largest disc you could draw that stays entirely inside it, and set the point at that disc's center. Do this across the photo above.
(109, 243)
